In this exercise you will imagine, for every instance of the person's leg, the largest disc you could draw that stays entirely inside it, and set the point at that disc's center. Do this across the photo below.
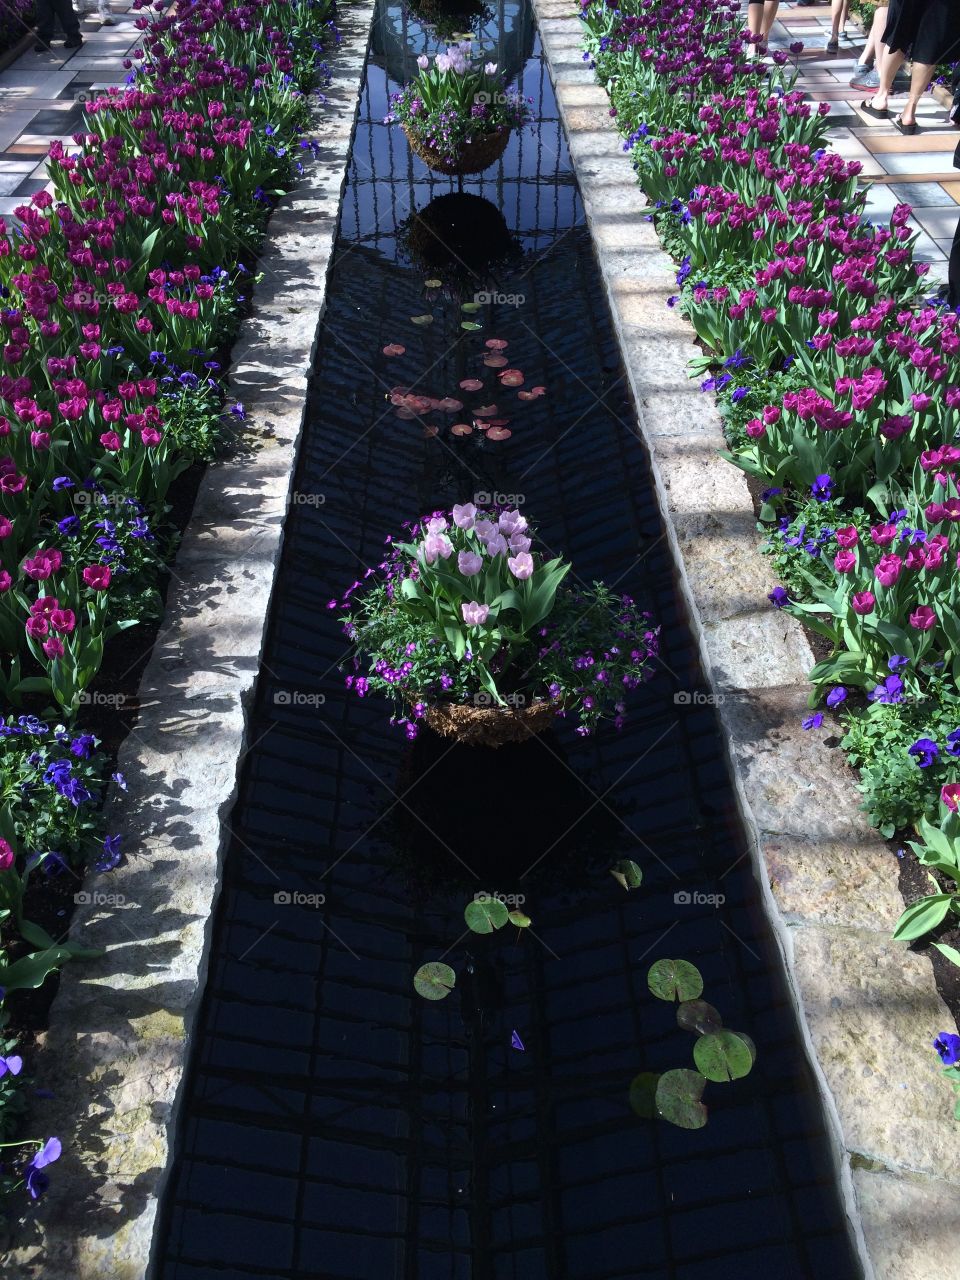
(45, 24)
(871, 50)
(755, 17)
(70, 22)
(919, 84)
(839, 11)
(954, 277)
(889, 63)
(769, 16)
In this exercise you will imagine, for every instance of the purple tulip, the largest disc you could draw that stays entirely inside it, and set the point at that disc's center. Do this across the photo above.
(464, 516)
(469, 563)
(521, 566)
(474, 614)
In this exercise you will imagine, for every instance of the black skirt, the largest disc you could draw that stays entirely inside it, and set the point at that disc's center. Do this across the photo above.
(927, 30)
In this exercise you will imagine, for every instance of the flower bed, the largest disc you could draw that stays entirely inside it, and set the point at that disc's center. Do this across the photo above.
(838, 382)
(16, 19)
(121, 293)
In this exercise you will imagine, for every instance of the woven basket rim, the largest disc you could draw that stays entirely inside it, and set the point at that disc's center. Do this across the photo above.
(473, 157)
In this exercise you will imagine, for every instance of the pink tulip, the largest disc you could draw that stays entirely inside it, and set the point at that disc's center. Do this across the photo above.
(97, 576)
(6, 855)
(847, 536)
(464, 516)
(887, 570)
(474, 614)
(863, 602)
(521, 566)
(844, 561)
(923, 618)
(468, 563)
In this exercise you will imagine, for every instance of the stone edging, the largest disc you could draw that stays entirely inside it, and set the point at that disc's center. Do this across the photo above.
(869, 1008)
(120, 1028)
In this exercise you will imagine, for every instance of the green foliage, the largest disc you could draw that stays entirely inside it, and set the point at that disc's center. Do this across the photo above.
(434, 980)
(675, 980)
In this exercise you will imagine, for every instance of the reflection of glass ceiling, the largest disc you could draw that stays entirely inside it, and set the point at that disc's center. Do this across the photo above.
(399, 37)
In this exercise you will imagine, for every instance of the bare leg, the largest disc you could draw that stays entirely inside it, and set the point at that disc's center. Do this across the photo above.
(871, 50)
(919, 83)
(769, 16)
(889, 64)
(839, 13)
(755, 18)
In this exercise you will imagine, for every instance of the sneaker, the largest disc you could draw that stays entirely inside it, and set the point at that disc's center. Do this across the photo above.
(104, 14)
(833, 44)
(865, 78)
(73, 42)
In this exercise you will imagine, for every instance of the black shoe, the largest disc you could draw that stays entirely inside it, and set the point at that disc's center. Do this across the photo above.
(73, 42)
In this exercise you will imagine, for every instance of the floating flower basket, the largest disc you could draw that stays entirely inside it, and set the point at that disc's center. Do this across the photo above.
(472, 157)
(489, 726)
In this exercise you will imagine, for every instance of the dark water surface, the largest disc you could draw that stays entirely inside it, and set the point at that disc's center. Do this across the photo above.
(336, 1125)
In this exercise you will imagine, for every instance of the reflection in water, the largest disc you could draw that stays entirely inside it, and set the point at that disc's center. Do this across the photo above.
(461, 238)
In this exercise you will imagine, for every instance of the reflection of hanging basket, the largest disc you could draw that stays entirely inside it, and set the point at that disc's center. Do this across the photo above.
(449, 17)
(458, 236)
(489, 726)
(472, 157)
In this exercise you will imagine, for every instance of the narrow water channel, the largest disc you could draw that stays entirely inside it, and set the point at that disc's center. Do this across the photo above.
(336, 1126)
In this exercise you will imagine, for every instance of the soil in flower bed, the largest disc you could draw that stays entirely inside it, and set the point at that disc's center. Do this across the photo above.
(335, 1123)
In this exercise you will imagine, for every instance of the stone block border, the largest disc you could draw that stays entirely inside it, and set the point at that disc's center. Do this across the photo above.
(120, 1032)
(867, 1008)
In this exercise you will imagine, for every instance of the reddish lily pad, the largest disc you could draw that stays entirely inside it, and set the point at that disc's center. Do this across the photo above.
(393, 349)
(471, 384)
(485, 411)
(496, 344)
(511, 378)
(405, 415)
(495, 362)
(498, 422)
(481, 425)
(399, 391)
(499, 433)
(461, 429)
(449, 405)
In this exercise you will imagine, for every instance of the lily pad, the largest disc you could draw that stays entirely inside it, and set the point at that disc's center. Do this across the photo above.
(698, 1016)
(485, 411)
(723, 1056)
(678, 1098)
(485, 914)
(470, 307)
(643, 1093)
(433, 284)
(461, 429)
(497, 344)
(499, 433)
(511, 378)
(520, 919)
(426, 319)
(675, 980)
(471, 384)
(495, 362)
(449, 405)
(405, 415)
(749, 1043)
(393, 349)
(434, 980)
(470, 325)
(627, 874)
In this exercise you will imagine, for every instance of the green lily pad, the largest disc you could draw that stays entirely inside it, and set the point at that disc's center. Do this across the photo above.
(678, 1098)
(722, 1056)
(433, 284)
(434, 980)
(470, 307)
(627, 874)
(675, 980)
(425, 319)
(643, 1093)
(698, 1016)
(749, 1043)
(470, 325)
(520, 919)
(485, 915)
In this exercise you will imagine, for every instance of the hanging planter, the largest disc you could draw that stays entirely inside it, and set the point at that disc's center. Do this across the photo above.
(469, 630)
(457, 113)
(473, 155)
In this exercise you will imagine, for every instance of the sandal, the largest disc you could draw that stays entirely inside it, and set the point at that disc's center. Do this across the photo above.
(907, 129)
(878, 113)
